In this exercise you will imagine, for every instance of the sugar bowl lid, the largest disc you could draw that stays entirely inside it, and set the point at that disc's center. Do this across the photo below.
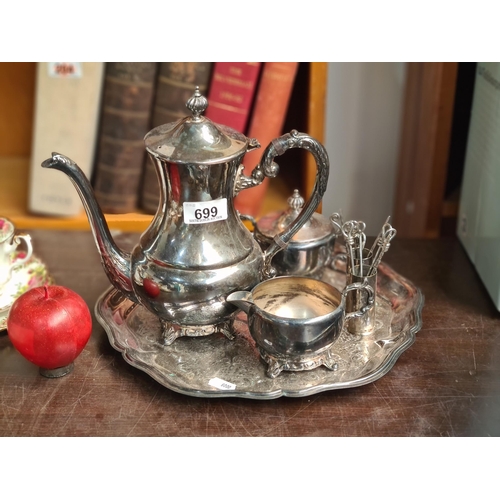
(318, 230)
(195, 138)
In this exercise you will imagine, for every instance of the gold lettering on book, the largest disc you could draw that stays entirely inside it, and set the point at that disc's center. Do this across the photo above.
(245, 84)
(235, 70)
(231, 97)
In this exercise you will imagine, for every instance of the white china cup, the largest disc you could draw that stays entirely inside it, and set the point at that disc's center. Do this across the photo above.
(9, 243)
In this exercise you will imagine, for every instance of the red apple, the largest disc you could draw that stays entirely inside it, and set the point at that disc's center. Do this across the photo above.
(49, 325)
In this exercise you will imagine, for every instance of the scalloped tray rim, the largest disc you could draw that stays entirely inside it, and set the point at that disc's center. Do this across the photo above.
(379, 372)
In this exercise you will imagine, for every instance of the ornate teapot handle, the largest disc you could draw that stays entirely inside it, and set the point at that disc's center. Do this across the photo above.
(267, 167)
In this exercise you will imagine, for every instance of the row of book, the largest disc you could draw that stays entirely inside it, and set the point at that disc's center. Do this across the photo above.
(98, 114)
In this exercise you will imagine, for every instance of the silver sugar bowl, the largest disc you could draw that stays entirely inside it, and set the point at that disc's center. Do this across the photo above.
(310, 249)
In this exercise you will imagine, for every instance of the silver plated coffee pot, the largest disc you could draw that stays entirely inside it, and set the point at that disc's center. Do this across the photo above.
(196, 250)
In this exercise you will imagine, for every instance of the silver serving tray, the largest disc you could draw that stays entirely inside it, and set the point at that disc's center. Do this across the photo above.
(214, 366)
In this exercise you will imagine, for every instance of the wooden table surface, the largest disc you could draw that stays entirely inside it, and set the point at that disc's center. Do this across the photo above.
(446, 384)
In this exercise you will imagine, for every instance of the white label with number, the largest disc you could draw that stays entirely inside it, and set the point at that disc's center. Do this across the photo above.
(65, 69)
(202, 212)
(218, 383)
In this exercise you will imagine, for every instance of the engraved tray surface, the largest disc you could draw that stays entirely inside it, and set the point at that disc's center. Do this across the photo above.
(190, 365)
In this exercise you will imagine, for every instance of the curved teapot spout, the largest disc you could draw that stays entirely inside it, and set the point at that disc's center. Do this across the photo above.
(115, 261)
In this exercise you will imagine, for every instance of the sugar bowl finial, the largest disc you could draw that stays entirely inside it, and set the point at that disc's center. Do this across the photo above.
(197, 103)
(296, 202)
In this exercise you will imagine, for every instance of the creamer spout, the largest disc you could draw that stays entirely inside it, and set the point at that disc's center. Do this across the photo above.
(241, 299)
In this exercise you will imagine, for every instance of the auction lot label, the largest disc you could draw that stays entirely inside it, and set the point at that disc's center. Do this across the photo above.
(202, 212)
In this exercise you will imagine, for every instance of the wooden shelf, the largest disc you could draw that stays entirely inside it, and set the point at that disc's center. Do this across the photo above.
(420, 205)
(14, 173)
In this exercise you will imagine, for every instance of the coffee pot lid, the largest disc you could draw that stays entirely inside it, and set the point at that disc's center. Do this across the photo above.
(195, 138)
(317, 230)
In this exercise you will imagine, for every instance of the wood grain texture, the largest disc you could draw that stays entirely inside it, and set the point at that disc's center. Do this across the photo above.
(316, 117)
(17, 104)
(446, 384)
(424, 149)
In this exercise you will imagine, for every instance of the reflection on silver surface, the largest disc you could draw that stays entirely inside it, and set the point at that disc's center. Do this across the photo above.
(196, 251)
(311, 247)
(295, 320)
(190, 365)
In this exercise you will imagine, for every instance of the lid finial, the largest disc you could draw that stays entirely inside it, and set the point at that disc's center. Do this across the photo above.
(197, 103)
(296, 202)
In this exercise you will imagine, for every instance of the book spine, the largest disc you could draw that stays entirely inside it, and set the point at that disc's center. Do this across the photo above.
(66, 118)
(176, 83)
(266, 123)
(232, 90)
(125, 120)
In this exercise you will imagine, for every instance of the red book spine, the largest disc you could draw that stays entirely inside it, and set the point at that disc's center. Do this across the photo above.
(268, 117)
(232, 91)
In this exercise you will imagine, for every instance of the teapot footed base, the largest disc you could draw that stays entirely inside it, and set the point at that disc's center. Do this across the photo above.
(275, 365)
(172, 331)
